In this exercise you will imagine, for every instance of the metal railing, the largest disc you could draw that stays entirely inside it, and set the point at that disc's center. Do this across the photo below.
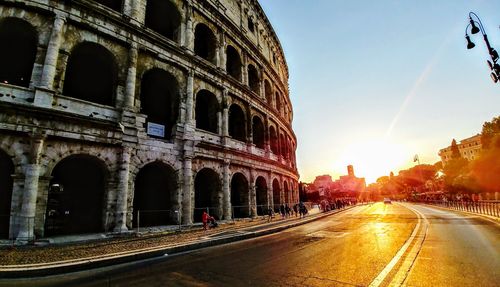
(156, 218)
(485, 207)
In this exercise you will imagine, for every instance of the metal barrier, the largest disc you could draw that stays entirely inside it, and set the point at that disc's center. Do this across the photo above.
(485, 207)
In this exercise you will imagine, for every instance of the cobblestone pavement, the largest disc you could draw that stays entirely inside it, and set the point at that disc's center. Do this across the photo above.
(23, 255)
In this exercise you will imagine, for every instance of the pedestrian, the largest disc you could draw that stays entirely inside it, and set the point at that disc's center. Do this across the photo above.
(287, 210)
(282, 211)
(204, 219)
(296, 209)
(269, 213)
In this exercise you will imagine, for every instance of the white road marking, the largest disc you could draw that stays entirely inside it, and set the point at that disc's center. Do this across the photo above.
(388, 268)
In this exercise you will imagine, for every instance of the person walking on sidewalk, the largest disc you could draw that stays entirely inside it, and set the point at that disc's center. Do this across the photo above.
(205, 218)
(282, 211)
(269, 213)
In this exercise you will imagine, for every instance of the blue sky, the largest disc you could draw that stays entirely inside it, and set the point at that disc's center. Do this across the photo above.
(375, 82)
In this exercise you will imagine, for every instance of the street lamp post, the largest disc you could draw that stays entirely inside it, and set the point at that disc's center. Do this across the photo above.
(476, 27)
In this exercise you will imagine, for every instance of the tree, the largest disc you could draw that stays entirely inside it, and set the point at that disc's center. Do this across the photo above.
(490, 129)
(486, 169)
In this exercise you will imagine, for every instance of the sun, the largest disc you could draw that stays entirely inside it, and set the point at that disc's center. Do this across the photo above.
(373, 158)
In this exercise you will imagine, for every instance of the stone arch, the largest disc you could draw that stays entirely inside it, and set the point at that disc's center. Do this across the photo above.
(163, 17)
(276, 194)
(273, 138)
(113, 4)
(160, 102)
(155, 191)
(286, 191)
(233, 62)
(240, 196)
(76, 197)
(205, 43)
(207, 194)
(258, 132)
(253, 79)
(6, 186)
(237, 123)
(91, 74)
(206, 108)
(268, 92)
(18, 51)
(262, 199)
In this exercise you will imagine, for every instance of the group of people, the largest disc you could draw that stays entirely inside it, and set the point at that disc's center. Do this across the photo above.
(326, 205)
(285, 211)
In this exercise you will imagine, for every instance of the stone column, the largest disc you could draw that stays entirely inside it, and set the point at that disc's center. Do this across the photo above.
(189, 33)
(129, 102)
(44, 94)
(28, 207)
(49, 66)
(225, 117)
(270, 199)
(190, 98)
(187, 210)
(122, 190)
(244, 72)
(253, 195)
(222, 52)
(226, 191)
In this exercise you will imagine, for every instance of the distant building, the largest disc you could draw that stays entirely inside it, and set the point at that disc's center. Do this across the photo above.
(469, 149)
(350, 183)
(322, 184)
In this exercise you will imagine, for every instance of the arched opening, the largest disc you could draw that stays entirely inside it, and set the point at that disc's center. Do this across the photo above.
(160, 102)
(207, 108)
(287, 192)
(91, 74)
(258, 132)
(278, 102)
(282, 146)
(17, 51)
(240, 197)
(6, 172)
(268, 92)
(154, 195)
(237, 123)
(205, 43)
(276, 195)
(113, 4)
(76, 196)
(233, 63)
(206, 194)
(274, 140)
(163, 17)
(253, 79)
(261, 195)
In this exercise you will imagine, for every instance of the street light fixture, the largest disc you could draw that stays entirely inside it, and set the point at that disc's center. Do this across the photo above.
(476, 27)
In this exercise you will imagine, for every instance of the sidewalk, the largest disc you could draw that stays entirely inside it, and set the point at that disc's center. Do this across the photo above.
(29, 261)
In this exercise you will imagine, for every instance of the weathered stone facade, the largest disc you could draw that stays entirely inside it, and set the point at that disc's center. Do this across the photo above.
(163, 108)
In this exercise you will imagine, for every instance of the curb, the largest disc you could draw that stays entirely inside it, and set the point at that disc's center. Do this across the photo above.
(56, 268)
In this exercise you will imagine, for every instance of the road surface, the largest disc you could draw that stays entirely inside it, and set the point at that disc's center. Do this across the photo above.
(375, 245)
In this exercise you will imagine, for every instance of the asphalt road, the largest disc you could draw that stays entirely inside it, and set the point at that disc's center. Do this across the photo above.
(376, 245)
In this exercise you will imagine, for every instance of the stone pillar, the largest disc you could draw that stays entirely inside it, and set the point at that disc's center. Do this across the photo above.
(49, 66)
(189, 33)
(222, 52)
(190, 98)
(226, 191)
(187, 210)
(270, 199)
(28, 208)
(44, 93)
(219, 122)
(122, 192)
(253, 195)
(225, 118)
(129, 102)
(244, 72)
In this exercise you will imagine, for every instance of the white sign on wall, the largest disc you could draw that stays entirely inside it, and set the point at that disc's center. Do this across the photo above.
(156, 130)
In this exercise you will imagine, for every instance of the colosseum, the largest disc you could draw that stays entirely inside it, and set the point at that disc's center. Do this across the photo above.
(118, 114)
